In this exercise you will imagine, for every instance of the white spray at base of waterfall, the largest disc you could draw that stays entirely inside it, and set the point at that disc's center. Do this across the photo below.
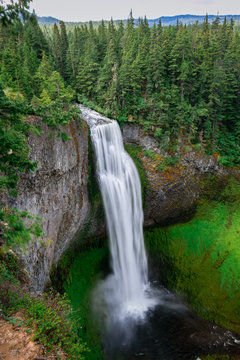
(126, 291)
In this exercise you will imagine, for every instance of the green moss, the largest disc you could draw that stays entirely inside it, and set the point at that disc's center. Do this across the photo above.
(202, 257)
(85, 270)
(133, 151)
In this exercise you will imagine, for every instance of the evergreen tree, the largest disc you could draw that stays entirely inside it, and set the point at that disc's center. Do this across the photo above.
(63, 49)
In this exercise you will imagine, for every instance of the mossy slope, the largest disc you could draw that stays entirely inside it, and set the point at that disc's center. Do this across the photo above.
(84, 272)
(202, 257)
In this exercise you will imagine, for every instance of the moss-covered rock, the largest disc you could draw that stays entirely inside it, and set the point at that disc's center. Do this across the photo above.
(202, 257)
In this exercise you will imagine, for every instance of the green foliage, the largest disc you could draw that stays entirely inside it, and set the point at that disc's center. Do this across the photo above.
(161, 167)
(15, 322)
(13, 135)
(6, 275)
(53, 115)
(85, 101)
(52, 318)
(176, 81)
(10, 12)
(172, 161)
(158, 133)
(149, 153)
(55, 326)
(218, 357)
(14, 229)
(197, 147)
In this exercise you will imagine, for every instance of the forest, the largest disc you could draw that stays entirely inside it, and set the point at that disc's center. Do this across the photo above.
(174, 81)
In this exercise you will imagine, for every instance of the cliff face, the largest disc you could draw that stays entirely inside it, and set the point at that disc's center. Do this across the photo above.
(58, 193)
(172, 192)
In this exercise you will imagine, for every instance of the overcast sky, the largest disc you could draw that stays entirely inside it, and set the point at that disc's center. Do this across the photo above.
(83, 10)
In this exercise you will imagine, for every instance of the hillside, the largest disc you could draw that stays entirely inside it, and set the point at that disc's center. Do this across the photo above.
(166, 20)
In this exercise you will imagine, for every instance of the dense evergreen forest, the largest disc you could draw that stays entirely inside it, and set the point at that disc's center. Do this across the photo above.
(175, 81)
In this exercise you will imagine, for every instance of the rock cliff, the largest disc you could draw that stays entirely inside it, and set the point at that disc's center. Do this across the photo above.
(58, 193)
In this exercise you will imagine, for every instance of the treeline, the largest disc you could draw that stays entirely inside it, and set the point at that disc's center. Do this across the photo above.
(175, 81)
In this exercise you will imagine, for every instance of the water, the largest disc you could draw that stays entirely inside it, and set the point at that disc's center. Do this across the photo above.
(126, 289)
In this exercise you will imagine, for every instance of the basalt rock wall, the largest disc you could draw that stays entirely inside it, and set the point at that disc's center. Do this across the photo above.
(57, 192)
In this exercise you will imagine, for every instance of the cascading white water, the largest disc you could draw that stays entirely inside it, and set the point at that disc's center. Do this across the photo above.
(121, 192)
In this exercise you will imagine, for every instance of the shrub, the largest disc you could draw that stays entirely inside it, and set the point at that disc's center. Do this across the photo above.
(161, 167)
(149, 153)
(158, 133)
(172, 161)
(224, 161)
(55, 326)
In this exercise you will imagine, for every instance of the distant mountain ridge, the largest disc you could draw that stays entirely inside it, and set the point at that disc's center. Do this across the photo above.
(191, 19)
(47, 20)
(166, 20)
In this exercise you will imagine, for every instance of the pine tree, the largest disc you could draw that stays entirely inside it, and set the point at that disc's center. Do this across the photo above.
(63, 49)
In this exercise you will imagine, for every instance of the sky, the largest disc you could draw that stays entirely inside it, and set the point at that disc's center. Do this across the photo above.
(84, 10)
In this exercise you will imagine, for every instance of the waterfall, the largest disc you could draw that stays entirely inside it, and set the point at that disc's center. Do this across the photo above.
(121, 192)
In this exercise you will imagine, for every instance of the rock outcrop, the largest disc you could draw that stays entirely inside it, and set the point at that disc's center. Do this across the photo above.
(172, 192)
